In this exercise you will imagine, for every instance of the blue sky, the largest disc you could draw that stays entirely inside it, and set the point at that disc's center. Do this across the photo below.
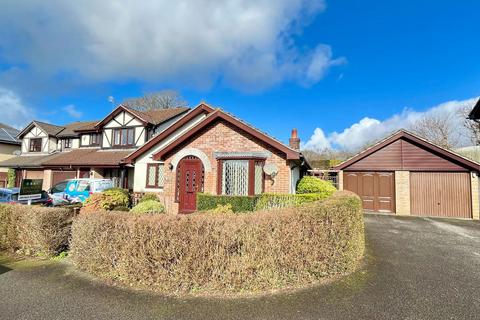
(348, 71)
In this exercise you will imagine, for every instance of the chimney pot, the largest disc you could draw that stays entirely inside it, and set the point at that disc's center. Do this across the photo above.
(295, 140)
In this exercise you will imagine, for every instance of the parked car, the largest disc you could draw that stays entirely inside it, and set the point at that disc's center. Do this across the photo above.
(78, 190)
(10, 196)
(57, 194)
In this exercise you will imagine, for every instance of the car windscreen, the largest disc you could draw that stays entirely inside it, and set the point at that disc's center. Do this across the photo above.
(59, 188)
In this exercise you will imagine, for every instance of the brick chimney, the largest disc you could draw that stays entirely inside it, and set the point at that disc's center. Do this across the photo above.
(295, 140)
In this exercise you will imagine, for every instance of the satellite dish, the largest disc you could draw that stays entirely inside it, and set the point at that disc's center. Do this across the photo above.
(270, 169)
(17, 153)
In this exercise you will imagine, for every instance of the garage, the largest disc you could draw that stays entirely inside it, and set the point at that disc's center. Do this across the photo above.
(437, 194)
(59, 176)
(376, 189)
(407, 175)
(34, 174)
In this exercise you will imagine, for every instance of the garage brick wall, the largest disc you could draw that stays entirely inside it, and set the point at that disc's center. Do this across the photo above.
(402, 192)
(475, 196)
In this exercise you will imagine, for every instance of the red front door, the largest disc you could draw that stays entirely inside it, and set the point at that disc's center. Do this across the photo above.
(190, 183)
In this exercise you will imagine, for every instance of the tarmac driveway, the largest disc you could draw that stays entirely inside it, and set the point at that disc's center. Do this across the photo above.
(416, 269)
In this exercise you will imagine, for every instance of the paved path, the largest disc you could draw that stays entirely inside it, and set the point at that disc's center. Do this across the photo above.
(416, 269)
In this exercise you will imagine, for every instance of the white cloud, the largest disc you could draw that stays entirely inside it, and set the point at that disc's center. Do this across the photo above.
(322, 60)
(318, 141)
(14, 112)
(72, 111)
(368, 130)
(246, 43)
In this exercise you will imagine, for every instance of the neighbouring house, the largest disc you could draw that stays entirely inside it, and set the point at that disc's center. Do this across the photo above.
(407, 175)
(9, 146)
(173, 152)
(92, 149)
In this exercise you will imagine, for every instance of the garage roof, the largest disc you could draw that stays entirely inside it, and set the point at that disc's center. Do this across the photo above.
(88, 157)
(406, 151)
(27, 161)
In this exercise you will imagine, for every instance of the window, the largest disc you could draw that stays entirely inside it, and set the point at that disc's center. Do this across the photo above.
(241, 177)
(83, 186)
(124, 137)
(35, 145)
(67, 143)
(95, 139)
(59, 188)
(155, 175)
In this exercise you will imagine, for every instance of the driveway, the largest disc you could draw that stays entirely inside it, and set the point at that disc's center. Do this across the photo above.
(416, 269)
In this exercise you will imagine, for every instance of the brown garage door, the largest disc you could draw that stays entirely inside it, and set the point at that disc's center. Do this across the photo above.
(440, 194)
(59, 176)
(377, 189)
(34, 174)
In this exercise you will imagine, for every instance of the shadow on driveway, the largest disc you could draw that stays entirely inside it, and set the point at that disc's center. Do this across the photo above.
(4, 269)
(415, 269)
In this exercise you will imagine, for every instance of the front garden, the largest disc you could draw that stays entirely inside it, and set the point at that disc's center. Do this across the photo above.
(247, 244)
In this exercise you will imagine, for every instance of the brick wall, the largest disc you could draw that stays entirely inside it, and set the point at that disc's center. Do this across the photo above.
(402, 192)
(222, 137)
(475, 196)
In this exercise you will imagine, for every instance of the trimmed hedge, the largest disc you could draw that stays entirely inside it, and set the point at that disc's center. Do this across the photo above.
(279, 201)
(32, 230)
(208, 202)
(223, 253)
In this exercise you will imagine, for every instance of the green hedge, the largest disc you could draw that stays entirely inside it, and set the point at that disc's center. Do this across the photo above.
(223, 253)
(207, 202)
(278, 201)
(148, 206)
(310, 184)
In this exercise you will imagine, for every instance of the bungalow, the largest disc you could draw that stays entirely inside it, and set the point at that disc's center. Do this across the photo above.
(173, 152)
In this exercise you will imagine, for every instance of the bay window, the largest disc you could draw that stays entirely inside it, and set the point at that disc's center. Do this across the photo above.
(241, 177)
(155, 175)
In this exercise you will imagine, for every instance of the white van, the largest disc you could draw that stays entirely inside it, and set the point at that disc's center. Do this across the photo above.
(78, 190)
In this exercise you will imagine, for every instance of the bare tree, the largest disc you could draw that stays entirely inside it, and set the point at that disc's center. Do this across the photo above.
(472, 127)
(164, 99)
(326, 158)
(438, 128)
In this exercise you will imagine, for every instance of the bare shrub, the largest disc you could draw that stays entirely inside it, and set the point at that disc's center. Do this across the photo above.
(223, 252)
(34, 230)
